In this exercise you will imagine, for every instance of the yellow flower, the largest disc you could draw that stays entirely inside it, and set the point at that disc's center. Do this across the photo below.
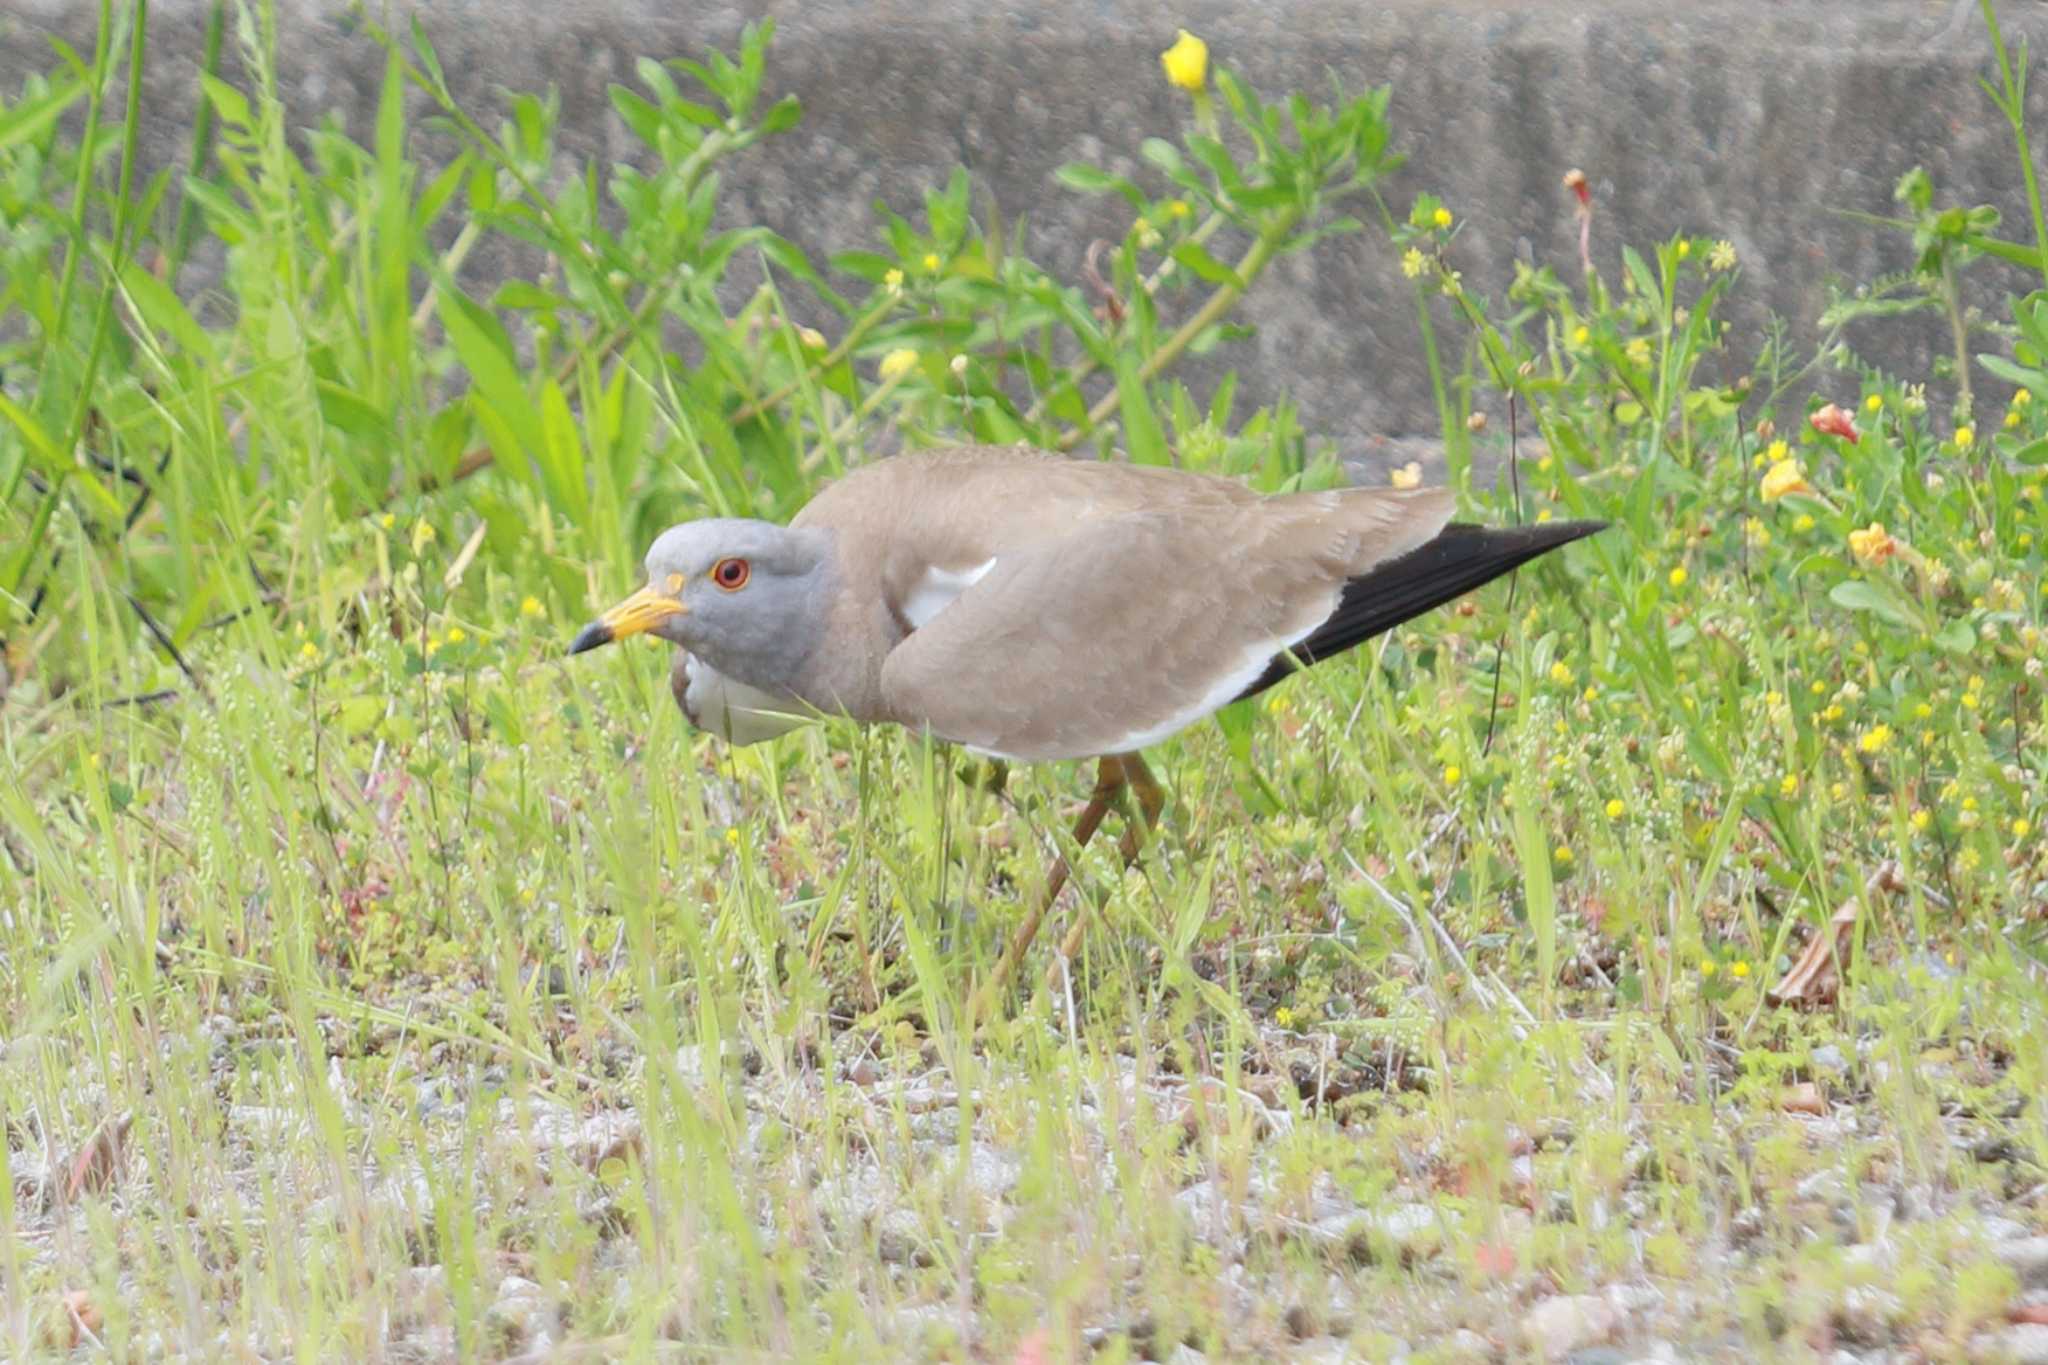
(1684, 248)
(892, 280)
(1738, 968)
(1186, 63)
(2022, 398)
(1919, 819)
(309, 651)
(1563, 854)
(897, 364)
(1965, 437)
(1832, 712)
(1559, 674)
(2012, 417)
(1581, 334)
(422, 535)
(1783, 477)
(1453, 775)
(1678, 576)
(1589, 694)
(1615, 809)
(1873, 544)
(1638, 351)
(1875, 403)
(1804, 522)
(1442, 217)
(2020, 828)
(1177, 208)
(1406, 476)
(1873, 740)
(732, 835)
(1838, 790)
(456, 635)
(1284, 1017)
(1413, 263)
(1709, 967)
(1722, 257)
(531, 606)
(387, 521)
(1788, 785)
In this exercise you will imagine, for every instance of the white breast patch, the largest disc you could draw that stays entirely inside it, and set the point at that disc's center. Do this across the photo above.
(732, 710)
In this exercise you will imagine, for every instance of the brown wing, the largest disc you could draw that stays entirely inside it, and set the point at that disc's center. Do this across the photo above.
(1134, 626)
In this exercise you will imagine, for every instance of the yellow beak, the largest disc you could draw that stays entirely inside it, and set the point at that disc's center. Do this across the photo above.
(638, 614)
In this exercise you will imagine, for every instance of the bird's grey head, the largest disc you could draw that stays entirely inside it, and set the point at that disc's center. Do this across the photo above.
(747, 597)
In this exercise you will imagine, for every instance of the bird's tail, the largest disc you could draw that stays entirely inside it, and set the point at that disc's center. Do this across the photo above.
(1461, 558)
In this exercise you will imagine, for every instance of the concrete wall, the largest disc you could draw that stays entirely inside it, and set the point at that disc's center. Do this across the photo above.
(1752, 121)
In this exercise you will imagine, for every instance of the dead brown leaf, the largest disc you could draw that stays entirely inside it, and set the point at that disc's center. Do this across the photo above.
(97, 1164)
(1815, 979)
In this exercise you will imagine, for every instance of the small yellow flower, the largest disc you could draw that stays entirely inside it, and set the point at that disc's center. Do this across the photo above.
(456, 635)
(1920, 819)
(1922, 711)
(1969, 700)
(2020, 829)
(422, 535)
(1722, 257)
(1678, 576)
(897, 364)
(1413, 263)
(1453, 775)
(1186, 63)
(1965, 437)
(1788, 785)
(1872, 544)
(1638, 351)
(1738, 968)
(732, 835)
(530, 606)
(1873, 740)
(309, 651)
(1177, 208)
(2022, 398)
(1543, 514)
(388, 520)
(2012, 418)
(1559, 674)
(1589, 694)
(1803, 522)
(1684, 248)
(1838, 790)
(892, 280)
(1832, 712)
(1406, 476)
(1874, 403)
(1709, 967)
(1563, 855)
(1442, 217)
(1615, 809)
(1817, 687)
(1284, 1017)
(1778, 450)
(1784, 477)
(931, 260)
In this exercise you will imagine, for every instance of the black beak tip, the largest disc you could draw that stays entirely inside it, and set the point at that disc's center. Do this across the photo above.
(590, 637)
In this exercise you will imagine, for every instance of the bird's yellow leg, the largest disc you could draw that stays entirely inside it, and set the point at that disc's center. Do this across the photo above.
(1110, 779)
(1151, 801)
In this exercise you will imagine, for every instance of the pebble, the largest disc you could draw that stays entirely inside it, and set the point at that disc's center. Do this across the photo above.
(1559, 1326)
(2026, 1257)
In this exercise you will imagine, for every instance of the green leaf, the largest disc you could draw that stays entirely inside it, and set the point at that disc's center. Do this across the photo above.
(486, 353)
(2021, 375)
(1860, 594)
(163, 312)
(1079, 175)
(2033, 452)
(27, 121)
(1196, 258)
(783, 115)
(1143, 436)
(1957, 637)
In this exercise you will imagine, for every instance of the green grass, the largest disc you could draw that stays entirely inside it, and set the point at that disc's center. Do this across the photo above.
(382, 984)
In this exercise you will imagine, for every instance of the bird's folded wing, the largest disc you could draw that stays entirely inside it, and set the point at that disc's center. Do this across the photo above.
(1111, 638)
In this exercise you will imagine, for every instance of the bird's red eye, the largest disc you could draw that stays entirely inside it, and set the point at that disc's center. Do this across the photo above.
(730, 574)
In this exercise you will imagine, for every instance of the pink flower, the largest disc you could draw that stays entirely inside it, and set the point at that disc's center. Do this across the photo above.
(1832, 421)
